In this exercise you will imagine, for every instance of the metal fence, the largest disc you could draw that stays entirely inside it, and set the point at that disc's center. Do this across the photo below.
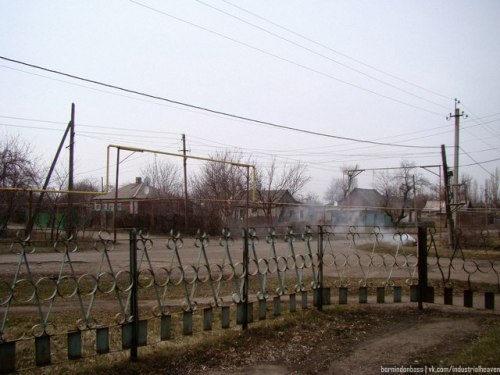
(66, 301)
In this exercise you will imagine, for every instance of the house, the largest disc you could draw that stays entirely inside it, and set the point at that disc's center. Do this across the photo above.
(270, 207)
(131, 199)
(434, 207)
(361, 207)
(137, 205)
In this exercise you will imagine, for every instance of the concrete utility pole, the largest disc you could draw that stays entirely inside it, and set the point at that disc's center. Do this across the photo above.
(70, 212)
(457, 116)
(184, 151)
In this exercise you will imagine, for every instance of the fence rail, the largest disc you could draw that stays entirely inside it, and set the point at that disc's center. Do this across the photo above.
(83, 301)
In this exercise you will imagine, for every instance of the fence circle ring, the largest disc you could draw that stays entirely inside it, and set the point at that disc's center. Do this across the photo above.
(263, 266)
(83, 324)
(41, 329)
(300, 261)
(299, 288)
(389, 260)
(190, 274)
(124, 282)
(144, 244)
(282, 291)
(495, 264)
(457, 264)
(328, 259)
(291, 262)
(103, 245)
(216, 272)
(16, 248)
(444, 262)
(60, 247)
(401, 261)
(236, 298)
(412, 261)
(46, 288)
(227, 272)
(353, 260)
(145, 278)
(67, 286)
(106, 282)
(5, 293)
(262, 296)
(161, 277)
(202, 273)
(85, 290)
(273, 265)
(469, 266)
(120, 318)
(341, 260)
(484, 266)
(253, 267)
(23, 291)
(432, 261)
(176, 276)
(365, 260)
(282, 264)
(159, 311)
(377, 260)
(239, 270)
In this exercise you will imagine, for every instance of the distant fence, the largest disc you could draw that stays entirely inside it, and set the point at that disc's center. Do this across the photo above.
(62, 302)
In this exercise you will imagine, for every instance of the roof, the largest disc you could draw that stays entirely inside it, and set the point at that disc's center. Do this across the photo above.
(435, 206)
(282, 196)
(138, 190)
(276, 196)
(359, 197)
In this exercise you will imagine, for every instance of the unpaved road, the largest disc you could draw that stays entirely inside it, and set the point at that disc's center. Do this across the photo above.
(381, 336)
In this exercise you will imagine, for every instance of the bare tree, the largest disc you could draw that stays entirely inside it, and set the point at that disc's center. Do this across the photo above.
(18, 169)
(273, 181)
(217, 186)
(339, 188)
(164, 176)
(398, 190)
(492, 190)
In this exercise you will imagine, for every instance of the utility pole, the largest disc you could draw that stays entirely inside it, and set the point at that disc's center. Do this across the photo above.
(184, 152)
(70, 213)
(447, 200)
(457, 116)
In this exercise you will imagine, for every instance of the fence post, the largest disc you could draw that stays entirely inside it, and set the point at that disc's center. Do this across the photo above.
(245, 279)
(422, 265)
(320, 268)
(134, 307)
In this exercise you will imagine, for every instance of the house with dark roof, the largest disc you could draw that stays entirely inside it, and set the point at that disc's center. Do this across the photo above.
(134, 199)
(137, 205)
(360, 207)
(269, 207)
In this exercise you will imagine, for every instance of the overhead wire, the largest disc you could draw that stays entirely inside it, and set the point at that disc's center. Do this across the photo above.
(283, 58)
(321, 55)
(267, 123)
(293, 32)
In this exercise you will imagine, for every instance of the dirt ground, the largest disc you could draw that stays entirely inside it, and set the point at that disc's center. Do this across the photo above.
(365, 340)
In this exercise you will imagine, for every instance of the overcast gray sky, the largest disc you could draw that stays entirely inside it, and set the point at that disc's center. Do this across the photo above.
(383, 71)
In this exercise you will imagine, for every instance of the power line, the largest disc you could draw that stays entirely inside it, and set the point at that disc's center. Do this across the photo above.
(335, 51)
(476, 162)
(209, 109)
(283, 58)
(321, 55)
